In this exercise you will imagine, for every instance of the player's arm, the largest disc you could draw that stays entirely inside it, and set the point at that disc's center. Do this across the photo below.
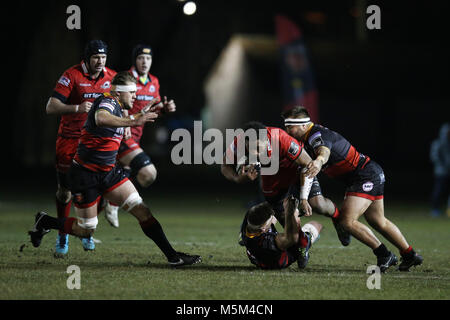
(105, 119)
(290, 235)
(322, 156)
(57, 107)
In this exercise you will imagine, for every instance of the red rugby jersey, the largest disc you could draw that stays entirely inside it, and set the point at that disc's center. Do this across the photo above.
(74, 87)
(289, 151)
(145, 92)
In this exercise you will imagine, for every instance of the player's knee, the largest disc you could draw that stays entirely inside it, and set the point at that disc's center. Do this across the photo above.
(134, 200)
(147, 175)
(319, 205)
(63, 195)
(87, 226)
(142, 167)
(347, 223)
(377, 223)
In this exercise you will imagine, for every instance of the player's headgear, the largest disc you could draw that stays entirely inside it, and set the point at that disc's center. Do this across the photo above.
(94, 47)
(140, 49)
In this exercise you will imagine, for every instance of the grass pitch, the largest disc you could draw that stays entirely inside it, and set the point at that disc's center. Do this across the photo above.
(127, 265)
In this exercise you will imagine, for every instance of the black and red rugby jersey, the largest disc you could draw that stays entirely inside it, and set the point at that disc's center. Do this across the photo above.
(344, 158)
(74, 87)
(98, 146)
(289, 151)
(145, 93)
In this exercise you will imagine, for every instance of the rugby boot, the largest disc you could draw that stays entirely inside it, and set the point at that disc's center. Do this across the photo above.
(38, 231)
(112, 214)
(183, 259)
(410, 260)
(303, 256)
(384, 262)
(62, 244)
(344, 236)
(88, 244)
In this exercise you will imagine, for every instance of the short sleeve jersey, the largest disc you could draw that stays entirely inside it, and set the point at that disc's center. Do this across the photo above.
(74, 87)
(99, 146)
(289, 150)
(146, 91)
(344, 158)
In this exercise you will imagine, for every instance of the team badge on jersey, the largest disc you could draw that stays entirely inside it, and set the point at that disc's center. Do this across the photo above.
(316, 140)
(64, 81)
(106, 85)
(293, 148)
(152, 88)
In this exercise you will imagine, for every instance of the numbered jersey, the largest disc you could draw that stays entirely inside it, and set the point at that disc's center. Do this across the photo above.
(98, 146)
(74, 87)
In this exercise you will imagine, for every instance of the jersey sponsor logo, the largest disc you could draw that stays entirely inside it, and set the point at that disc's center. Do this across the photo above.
(152, 88)
(78, 197)
(106, 85)
(85, 84)
(64, 81)
(368, 186)
(91, 95)
(293, 148)
(144, 98)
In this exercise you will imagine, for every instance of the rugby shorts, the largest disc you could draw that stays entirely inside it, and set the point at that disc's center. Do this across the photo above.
(88, 186)
(367, 182)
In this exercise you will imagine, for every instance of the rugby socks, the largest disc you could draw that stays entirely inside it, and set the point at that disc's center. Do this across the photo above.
(63, 209)
(302, 239)
(154, 231)
(336, 213)
(64, 225)
(381, 251)
(408, 252)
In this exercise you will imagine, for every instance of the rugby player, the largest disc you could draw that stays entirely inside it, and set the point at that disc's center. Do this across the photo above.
(94, 173)
(268, 249)
(286, 181)
(131, 155)
(364, 180)
(72, 99)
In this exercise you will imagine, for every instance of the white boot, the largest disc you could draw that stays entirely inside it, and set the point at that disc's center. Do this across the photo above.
(112, 214)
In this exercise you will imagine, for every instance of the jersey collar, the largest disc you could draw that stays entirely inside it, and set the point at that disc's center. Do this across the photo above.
(86, 73)
(139, 78)
(308, 131)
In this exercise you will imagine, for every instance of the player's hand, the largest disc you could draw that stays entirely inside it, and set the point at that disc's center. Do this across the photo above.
(84, 107)
(305, 208)
(247, 172)
(146, 117)
(127, 133)
(154, 106)
(169, 106)
(313, 168)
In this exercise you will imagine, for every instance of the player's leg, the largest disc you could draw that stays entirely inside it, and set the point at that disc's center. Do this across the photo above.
(126, 195)
(328, 208)
(82, 227)
(307, 236)
(352, 208)
(142, 168)
(65, 151)
(376, 219)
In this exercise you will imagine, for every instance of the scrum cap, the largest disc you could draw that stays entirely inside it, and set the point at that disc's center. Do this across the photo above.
(95, 47)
